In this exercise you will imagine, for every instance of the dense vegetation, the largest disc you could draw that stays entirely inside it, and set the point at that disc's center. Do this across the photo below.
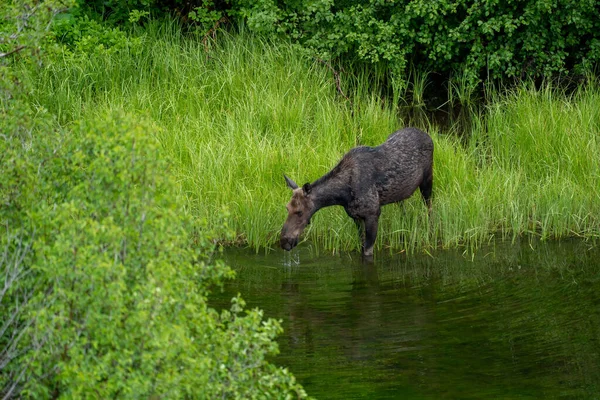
(233, 119)
(105, 275)
(124, 148)
(480, 39)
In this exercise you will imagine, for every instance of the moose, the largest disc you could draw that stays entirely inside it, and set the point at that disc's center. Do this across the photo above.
(364, 180)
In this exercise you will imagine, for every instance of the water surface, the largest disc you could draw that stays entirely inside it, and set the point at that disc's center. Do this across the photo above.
(513, 321)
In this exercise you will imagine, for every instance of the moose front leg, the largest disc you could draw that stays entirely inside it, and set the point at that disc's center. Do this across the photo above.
(371, 223)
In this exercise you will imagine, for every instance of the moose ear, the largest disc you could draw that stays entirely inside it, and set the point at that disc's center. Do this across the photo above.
(291, 184)
(306, 188)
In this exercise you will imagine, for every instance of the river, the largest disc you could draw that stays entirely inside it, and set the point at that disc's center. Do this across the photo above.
(513, 320)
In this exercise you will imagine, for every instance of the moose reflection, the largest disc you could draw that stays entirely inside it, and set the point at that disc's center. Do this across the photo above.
(364, 180)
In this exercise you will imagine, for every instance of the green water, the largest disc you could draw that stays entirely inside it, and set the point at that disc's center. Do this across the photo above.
(513, 321)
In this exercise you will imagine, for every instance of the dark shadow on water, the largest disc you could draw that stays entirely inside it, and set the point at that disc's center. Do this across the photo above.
(514, 321)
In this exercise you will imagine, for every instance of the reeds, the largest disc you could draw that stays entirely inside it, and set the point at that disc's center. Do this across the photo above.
(234, 119)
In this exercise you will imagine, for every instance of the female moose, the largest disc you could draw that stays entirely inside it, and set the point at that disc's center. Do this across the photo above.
(364, 180)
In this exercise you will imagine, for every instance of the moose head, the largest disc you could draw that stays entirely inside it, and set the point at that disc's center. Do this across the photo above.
(300, 209)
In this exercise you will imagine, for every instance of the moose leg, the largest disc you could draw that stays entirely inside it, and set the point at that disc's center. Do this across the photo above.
(371, 224)
(426, 188)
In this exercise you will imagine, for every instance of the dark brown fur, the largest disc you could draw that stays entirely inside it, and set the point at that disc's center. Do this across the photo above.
(364, 180)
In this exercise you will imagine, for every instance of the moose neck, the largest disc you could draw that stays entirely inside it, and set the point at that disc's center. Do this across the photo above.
(329, 191)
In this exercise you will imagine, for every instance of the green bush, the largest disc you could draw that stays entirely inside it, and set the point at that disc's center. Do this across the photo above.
(121, 283)
(85, 36)
(476, 38)
(485, 38)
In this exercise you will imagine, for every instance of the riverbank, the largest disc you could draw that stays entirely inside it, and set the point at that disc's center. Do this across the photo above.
(233, 116)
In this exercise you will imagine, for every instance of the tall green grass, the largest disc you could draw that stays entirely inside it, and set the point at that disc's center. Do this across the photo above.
(234, 119)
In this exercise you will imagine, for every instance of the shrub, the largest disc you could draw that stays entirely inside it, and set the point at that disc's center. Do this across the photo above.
(121, 285)
(479, 39)
(487, 39)
(86, 36)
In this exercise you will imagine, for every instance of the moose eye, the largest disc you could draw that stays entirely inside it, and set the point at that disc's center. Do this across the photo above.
(299, 213)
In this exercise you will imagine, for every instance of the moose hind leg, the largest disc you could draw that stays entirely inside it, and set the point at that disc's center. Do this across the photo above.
(426, 188)
(371, 225)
